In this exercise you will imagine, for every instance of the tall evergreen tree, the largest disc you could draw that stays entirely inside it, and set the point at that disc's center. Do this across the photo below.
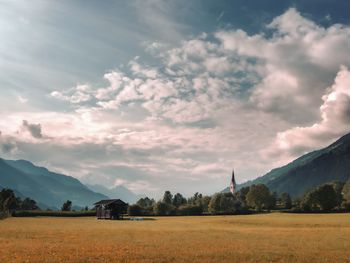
(168, 197)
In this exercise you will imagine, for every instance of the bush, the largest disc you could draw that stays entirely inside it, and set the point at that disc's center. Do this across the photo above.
(189, 210)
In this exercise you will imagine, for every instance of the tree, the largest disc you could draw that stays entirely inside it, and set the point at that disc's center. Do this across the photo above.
(259, 197)
(195, 199)
(326, 197)
(11, 203)
(205, 203)
(322, 198)
(346, 194)
(8, 200)
(241, 195)
(338, 188)
(163, 209)
(271, 203)
(147, 205)
(178, 200)
(286, 201)
(29, 204)
(214, 204)
(223, 203)
(145, 202)
(134, 210)
(309, 202)
(168, 197)
(67, 206)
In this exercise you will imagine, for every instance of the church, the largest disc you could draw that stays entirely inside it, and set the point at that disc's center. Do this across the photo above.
(233, 183)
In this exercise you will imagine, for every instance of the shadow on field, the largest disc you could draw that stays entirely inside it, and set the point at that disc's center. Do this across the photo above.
(140, 219)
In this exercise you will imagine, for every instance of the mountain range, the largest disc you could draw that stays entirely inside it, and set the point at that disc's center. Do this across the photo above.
(310, 170)
(49, 189)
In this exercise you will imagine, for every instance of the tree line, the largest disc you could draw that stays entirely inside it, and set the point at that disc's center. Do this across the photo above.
(9, 203)
(334, 196)
(255, 197)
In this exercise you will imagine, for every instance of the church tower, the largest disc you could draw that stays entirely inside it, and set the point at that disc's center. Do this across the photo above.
(233, 183)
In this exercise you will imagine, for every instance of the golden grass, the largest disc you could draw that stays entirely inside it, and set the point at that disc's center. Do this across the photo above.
(253, 238)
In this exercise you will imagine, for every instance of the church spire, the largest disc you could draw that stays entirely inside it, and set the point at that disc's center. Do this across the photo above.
(233, 183)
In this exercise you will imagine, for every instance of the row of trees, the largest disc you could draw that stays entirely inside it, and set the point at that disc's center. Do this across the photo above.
(171, 205)
(327, 197)
(257, 197)
(9, 202)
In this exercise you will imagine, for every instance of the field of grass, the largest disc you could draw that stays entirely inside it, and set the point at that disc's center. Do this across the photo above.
(252, 238)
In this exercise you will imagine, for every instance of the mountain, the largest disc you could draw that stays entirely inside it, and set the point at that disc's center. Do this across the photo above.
(310, 170)
(118, 192)
(47, 188)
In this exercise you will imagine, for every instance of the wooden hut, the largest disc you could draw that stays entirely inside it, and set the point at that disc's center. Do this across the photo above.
(110, 209)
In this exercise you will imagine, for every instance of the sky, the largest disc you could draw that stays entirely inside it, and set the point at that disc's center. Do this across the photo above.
(162, 95)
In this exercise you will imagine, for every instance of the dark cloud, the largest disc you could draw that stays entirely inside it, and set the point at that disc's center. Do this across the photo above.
(33, 129)
(7, 145)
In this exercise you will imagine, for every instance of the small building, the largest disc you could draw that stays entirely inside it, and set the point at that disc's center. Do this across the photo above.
(110, 209)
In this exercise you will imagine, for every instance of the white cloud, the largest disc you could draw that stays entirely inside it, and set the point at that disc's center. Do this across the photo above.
(139, 70)
(296, 64)
(335, 114)
(77, 95)
(22, 99)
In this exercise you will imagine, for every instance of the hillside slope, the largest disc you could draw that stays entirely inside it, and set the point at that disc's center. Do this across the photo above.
(329, 164)
(48, 188)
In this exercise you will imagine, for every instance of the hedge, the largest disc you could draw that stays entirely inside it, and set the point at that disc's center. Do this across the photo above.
(53, 213)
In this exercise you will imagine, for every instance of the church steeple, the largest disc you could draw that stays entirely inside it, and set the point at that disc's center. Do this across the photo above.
(233, 183)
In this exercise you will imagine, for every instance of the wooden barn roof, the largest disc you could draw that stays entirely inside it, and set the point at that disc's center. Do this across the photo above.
(110, 201)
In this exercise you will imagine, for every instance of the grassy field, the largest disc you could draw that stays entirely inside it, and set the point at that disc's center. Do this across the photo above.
(253, 238)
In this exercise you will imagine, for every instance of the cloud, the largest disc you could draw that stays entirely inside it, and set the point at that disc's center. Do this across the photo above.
(203, 106)
(158, 17)
(77, 95)
(238, 82)
(138, 186)
(33, 129)
(22, 99)
(335, 121)
(7, 144)
(296, 64)
(139, 70)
